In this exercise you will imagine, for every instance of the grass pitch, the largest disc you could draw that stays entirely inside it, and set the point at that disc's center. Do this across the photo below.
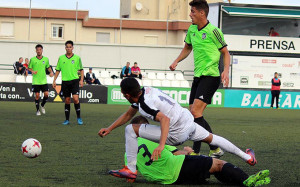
(76, 156)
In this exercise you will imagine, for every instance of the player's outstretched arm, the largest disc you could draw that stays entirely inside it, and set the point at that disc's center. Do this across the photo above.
(186, 151)
(124, 118)
(164, 126)
(226, 61)
(183, 54)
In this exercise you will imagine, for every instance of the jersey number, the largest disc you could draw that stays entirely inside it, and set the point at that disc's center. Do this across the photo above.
(146, 153)
(162, 98)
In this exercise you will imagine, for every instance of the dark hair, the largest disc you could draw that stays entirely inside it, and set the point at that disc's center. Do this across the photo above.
(38, 45)
(135, 62)
(272, 28)
(200, 5)
(69, 42)
(139, 120)
(130, 86)
(275, 73)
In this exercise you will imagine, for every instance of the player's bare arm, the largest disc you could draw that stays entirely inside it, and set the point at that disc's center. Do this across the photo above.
(34, 72)
(124, 118)
(226, 61)
(183, 54)
(164, 125)
(55, 77)
(51, 72)
(186, 151)
(81, 78)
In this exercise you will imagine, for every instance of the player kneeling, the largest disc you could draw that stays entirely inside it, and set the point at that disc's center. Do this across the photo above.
(178, 167)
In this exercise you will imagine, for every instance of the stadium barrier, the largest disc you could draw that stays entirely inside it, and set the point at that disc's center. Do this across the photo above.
(233, 98)
(23, 92)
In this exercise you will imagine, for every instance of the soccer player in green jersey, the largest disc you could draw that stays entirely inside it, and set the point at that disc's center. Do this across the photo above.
(207, 43)
(178, 167)
(69, 64)
(38, 66)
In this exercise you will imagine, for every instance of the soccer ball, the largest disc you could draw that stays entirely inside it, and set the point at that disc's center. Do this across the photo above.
(31, 148)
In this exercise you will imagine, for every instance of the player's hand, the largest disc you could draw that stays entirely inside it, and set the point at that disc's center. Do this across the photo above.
(157, 153)
(173, 66)
(81, 83)
(103, 132)
(188, 149)
(225, 78)
(51, 74)
(34, 72)
(54, 84)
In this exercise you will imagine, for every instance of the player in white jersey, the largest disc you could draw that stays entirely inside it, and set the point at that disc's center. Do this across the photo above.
(176, 125)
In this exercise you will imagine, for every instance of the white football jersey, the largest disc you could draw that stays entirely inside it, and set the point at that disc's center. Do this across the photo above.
(154, 100)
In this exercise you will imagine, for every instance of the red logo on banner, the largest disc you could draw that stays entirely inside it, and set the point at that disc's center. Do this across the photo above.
(269, 61)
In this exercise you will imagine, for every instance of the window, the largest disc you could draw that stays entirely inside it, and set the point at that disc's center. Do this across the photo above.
(102, 37)
(57, 31)
(7, 29)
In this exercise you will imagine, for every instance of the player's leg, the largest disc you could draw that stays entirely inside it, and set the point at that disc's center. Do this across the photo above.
(132, 131)
(131, 145)
(273, 97)
(201, 134)
(36, 91)
(45, 91)
(204, 89)
(75, 94)
(277, 98)
(65, 90)
(230, 174)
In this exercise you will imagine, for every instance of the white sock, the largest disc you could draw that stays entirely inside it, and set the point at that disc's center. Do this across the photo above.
(131, 147)
(229, 147)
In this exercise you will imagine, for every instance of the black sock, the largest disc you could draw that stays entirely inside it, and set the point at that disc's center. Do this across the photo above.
(77, 108)
(207, 127)
(44, 101)
(67, 111)
(37, 104)
(197, 145)
(231, 174)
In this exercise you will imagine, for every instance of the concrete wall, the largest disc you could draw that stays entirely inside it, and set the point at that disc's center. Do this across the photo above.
(99, 55)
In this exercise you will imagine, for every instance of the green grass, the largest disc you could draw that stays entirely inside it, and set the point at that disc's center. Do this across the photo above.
(76, 156)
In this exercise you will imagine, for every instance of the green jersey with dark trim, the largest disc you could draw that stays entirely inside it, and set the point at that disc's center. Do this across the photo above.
(69, 67)
(207, 43)
(39, 65)
(165, 170)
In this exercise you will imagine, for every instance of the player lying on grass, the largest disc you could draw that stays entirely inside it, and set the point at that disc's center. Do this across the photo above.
(178, 167)
(176, 125)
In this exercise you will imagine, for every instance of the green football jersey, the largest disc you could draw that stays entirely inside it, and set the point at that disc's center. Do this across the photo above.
(165, 170)
(40, 66)
(69, 67)
(207, 43)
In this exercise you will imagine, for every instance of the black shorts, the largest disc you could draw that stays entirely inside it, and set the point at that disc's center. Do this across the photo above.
(70, 87)
(194, 170)
(204, 88)
(38, 88)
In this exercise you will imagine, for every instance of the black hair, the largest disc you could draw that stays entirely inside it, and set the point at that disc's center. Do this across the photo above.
(272, 28)
(38, 45)
(139, 120)
(130, 86)
(69, 42)
(135, 62)
(200, 5)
